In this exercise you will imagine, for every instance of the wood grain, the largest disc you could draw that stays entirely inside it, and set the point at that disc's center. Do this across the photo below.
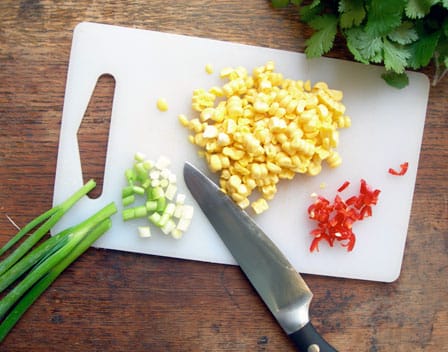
(117, 301)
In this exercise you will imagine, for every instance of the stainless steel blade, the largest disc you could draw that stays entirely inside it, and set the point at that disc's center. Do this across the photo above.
(280, 286)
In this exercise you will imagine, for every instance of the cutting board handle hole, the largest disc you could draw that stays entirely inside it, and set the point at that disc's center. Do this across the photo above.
(93, 133)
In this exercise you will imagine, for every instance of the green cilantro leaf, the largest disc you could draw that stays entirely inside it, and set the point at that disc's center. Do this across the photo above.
(398, 34)
(423, 49)
(405, 34)
(419, 8)
(309, 12)
(445, 26)
(397, 80)
(384, 15)
(321, 41)
(395, 56)
(364, 47)
(352, 13)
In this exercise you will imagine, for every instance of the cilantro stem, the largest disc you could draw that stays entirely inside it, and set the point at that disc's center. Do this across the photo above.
(48, 220)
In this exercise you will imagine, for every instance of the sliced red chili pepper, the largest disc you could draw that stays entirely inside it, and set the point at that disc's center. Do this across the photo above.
(335, 220)
(402, 171)
(343, 186)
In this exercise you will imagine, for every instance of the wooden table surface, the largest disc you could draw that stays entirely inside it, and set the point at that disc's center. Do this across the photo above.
(115, 301)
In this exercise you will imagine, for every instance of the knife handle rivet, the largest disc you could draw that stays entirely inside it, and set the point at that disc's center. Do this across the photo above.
(313, 348)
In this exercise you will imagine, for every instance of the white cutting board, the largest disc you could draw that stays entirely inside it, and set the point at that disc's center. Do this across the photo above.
(387, 127)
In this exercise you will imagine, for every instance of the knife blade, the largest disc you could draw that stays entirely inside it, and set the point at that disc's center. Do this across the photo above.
(279, 285)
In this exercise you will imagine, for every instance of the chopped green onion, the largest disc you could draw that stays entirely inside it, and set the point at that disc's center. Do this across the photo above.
(151, 206)
(128, 200)
(155, 218)
(163, 205)
(144, 231)
(127, 191)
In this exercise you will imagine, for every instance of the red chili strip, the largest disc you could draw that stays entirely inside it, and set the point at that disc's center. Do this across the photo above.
(343, 186)
(402, 171)
(335, 219)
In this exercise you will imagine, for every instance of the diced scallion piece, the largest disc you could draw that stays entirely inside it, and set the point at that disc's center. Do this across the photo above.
(157, 186)
(144, 231)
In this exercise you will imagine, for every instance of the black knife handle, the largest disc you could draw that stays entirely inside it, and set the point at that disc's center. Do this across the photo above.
(307, 339)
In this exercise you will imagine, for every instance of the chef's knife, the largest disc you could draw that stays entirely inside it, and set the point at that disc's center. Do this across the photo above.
(280, 286)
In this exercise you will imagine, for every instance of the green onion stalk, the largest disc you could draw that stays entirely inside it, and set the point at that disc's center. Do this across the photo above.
(39, 267)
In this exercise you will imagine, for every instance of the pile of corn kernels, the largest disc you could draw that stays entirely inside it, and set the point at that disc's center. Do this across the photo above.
(258, 129)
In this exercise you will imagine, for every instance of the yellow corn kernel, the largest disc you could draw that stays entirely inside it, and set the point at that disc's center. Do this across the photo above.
(223, 184)
(244, 203)
(255, 171)
(276, 124)
(162, 104)
(209, 69)
(250, 183)
(252, 144)
(219, 113)
(211, 147)
(240, 169)
(273, 167)
(210, 131)
(223, 139)
(302, 146)
(322, 111)
(314, 168)
(286, 174)
(216, 91)
(225, 72)
(269, 191)
(234, 107)
(234, 181)
(307, 85)
(199, 140)
(183, 120)
(225, 174)
(195, 125)
(207, 114)
(260, 205)
(261, 106)
(322, 153)
(215, 163)
(237, 197)
(320, 85)
(243, 190)
(334, 159)
(334, 139)
(229, 126)
(311, 102)
(225, 161)
(301, 104)
(232, 153)
(335, 94)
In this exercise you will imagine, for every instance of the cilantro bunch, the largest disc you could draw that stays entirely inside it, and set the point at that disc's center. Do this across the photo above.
(399, 34)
